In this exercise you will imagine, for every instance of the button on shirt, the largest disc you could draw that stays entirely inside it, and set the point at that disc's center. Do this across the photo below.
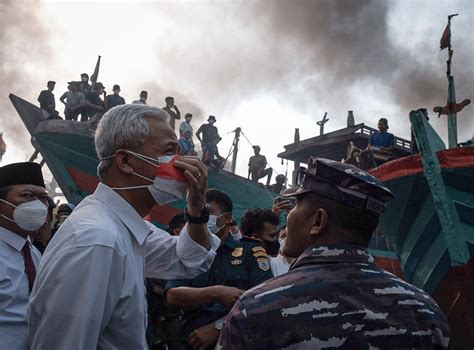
(14, 290)
(335, 297)
(89, 291)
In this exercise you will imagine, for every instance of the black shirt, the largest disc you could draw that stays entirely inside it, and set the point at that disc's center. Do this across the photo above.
(95, 99)
(114, 100)
(46, 100)
(209, 133)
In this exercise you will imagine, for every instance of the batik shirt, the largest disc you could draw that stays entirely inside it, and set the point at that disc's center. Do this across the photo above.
(335, 297)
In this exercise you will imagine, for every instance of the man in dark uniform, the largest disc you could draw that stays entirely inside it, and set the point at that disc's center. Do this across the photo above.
(334, 296)
(47, 102)
(207, 299)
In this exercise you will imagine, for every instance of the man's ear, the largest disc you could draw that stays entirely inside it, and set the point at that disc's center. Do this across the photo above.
(228, 218)
(122, 161)
(320, 222)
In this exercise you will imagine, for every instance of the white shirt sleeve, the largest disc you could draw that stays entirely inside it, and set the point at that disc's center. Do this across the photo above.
(171, 257)
(71, 306)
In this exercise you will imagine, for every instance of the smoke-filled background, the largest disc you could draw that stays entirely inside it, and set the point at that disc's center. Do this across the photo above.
(266, 66)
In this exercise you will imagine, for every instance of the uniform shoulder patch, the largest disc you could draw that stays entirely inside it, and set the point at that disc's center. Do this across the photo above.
(263, 264)
(258, 249)
(260, 253)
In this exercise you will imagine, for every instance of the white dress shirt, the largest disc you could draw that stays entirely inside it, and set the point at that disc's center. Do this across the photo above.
(89, 291)
(14, 290)
(279, 265)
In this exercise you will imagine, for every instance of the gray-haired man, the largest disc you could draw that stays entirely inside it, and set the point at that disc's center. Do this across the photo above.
(90, 286)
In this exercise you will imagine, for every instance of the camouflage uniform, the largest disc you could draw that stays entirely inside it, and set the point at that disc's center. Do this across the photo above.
(242, 264)
(335, 297)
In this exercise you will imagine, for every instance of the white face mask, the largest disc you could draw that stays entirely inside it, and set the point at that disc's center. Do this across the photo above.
(29, 216)
(282, 243)
(212, 224)
(163, 189)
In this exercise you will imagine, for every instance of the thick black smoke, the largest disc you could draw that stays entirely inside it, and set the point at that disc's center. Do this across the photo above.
(346, 42)
(23, 48)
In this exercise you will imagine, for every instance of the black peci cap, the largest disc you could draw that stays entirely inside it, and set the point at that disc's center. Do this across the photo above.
(26, 173)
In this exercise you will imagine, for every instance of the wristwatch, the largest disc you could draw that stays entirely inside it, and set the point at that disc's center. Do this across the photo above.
(203, 219)
(219, 324)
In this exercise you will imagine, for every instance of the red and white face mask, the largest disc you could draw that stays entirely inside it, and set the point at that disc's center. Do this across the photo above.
(169, 184)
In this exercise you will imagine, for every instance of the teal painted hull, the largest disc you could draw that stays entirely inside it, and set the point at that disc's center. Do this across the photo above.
(412, 225)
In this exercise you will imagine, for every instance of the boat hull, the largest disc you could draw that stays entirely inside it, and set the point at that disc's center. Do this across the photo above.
(430, 258)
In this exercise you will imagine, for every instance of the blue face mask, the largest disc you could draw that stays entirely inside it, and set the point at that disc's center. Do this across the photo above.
(212, 224)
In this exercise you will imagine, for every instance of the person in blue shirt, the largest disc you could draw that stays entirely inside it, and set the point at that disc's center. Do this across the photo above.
(381, 139)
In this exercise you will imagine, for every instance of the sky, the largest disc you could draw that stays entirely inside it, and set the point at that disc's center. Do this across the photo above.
(266, 66)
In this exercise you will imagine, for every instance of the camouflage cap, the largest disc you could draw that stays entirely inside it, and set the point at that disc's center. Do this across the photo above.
(343, 183)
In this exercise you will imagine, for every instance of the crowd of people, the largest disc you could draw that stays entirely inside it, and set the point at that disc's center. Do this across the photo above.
(211, 281)
(83, 99)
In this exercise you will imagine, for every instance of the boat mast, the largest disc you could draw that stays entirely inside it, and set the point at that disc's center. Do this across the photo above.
(452, 118)
(235, 145)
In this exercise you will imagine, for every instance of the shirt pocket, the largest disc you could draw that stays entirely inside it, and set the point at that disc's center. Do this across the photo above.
(238, 278)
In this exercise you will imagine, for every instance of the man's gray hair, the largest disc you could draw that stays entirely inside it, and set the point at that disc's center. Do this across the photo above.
(123, 127)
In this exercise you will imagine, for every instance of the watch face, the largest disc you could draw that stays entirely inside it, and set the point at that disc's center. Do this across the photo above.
(219, 324)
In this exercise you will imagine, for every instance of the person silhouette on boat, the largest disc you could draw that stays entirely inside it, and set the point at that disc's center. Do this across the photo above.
(85, 87)
(47, 101)
(257, 164)
(279, 184)
(210, 139)
(73, 100)
(115, 99)
(381, 144)
(94, 104)
(142, 99)
(381, 139)
(172, 110)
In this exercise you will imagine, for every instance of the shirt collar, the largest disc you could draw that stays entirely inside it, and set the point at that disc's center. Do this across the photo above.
(12, 239)
(333, 253)
(125, 212)
(230, 242)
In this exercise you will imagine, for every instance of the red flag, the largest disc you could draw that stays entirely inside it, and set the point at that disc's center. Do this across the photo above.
(445, 39)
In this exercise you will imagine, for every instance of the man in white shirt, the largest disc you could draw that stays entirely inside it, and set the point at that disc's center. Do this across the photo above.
(23, 211)
(90, 292)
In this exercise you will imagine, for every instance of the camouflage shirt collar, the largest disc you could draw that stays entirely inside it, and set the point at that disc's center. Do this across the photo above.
(333, 253)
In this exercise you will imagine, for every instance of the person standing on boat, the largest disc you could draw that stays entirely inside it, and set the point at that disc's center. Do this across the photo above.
(257, 164)
(47, 101)
(210, 139)
(172, 110)
(74, 101)
(23, 211)
(85, 87)
(94, 104)
(334, 295)
(89, 291)
(381, 139)
(142, 99)
(115, 99)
